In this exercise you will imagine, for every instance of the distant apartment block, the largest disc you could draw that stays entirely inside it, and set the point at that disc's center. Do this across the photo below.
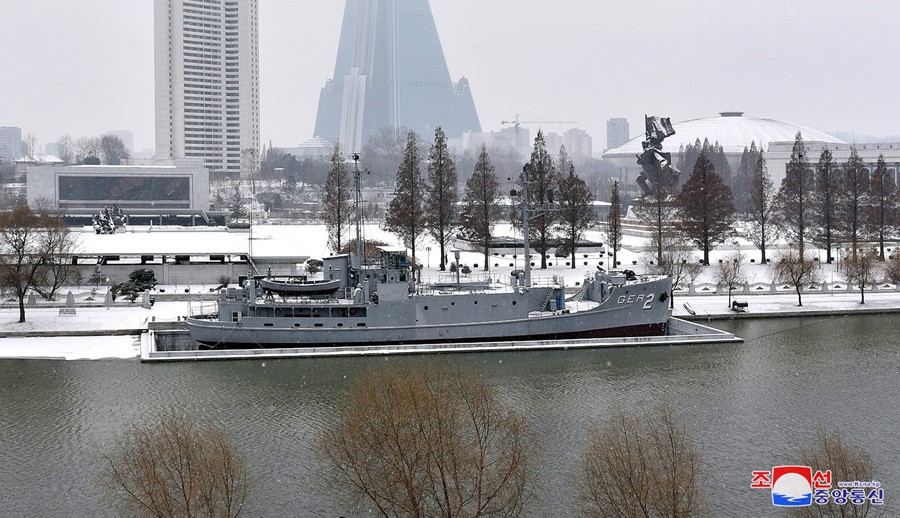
(391, 72)
(10, 144)
(578, 144)
(207, 80)
(616, 132)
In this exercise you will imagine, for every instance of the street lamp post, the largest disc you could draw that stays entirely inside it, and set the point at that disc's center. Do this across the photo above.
(428, 255)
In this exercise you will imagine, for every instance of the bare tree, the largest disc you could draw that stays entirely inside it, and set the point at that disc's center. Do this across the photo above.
(87, 146)
(677, 262)
(614, 221)
(65, 148)
(406, 214)
(174, 468)
(441, 195)
(851, 208)
(640, 464)
(29, 243)
(428, 442)
(61, 243)
(862, 270)
(30, 146)
(705, 207)
(730, 273)
(892, 268)
(384, 148)
(847, 462)
(576, 211)
(762, 207)
(250, 164)
(337, 204)
(113, 150)
(480, 209)
(796, 269)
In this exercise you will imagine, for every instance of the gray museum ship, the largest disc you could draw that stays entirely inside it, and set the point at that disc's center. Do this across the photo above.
(377, 302)
(381, 305)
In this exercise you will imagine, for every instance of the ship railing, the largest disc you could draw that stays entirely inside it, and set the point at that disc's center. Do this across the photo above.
(202, 309)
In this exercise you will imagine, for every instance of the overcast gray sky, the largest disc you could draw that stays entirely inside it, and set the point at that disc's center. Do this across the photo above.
(87, 67)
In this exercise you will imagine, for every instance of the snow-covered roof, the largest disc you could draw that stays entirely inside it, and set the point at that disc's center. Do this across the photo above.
(40, 158)
(732, 130)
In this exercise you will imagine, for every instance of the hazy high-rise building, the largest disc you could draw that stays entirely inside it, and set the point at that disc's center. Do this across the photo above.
(579, 145)
(207, 80)
(10, 144)
(391, 72)
(616, 133)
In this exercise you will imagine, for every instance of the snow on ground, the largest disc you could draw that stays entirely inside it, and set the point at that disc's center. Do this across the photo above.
(287, 239)
(71, 347)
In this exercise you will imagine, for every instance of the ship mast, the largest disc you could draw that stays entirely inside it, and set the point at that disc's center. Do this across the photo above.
(542, 209)
(357, 184)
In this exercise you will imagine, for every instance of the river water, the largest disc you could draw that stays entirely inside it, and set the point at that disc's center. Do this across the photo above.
(748, 406)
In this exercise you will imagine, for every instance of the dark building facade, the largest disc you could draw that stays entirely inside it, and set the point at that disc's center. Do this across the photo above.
(391, 72)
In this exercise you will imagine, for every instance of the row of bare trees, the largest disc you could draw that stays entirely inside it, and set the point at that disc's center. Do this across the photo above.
(434, 441)
(108, 148)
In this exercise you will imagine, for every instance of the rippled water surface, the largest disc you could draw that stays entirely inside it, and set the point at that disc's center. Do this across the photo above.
(747, 406)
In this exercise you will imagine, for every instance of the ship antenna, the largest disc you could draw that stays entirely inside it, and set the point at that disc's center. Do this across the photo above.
(360, 245)
(526, 244)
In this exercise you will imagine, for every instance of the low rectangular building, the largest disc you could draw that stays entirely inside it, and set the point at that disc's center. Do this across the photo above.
(148, 187)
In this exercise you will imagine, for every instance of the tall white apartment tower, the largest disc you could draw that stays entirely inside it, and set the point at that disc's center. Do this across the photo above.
(207, 80)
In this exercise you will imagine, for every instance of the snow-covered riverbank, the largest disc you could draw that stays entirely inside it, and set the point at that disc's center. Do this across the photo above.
(90, 329)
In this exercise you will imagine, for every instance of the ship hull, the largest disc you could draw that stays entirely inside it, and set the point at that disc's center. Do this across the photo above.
(655, 329)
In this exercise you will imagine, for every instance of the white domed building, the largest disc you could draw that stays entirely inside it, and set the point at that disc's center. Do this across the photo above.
(733, 131)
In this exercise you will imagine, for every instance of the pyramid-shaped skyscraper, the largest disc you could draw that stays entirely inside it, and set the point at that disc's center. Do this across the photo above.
(391, 72)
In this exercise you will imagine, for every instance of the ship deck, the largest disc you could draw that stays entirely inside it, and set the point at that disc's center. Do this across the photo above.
(680, 332)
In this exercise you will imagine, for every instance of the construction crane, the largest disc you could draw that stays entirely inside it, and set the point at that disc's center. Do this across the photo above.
(516, 123)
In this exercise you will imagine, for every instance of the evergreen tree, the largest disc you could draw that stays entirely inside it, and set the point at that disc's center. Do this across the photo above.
(687, 157)
(705, 207)
(236, 205)
(480, 204)
(825, 202)
(541, 177)
(743, 180)
(793, 203)
(337, 205)
(441, 195)
(406, 215)
(882, 212)
(856, 188)
(576, 213)
(762, 207)
(715, 153)
(614, 221)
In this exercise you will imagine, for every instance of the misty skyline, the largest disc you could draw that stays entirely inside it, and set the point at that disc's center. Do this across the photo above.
(824, 64)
